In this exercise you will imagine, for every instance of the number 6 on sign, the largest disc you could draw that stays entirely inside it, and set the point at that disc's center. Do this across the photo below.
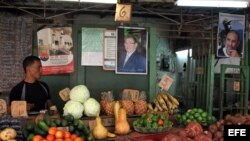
(123, 12)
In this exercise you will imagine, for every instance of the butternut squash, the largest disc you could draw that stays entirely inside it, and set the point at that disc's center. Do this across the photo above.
(101, 132)
(117, 106)
(122, 126)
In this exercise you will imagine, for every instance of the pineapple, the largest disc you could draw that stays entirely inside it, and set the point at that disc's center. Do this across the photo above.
(109, 109)
(141, 104)
(128, 105)
(107, 103)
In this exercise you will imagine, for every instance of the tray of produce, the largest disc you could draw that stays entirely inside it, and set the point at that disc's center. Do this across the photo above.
(152, 123)
(196, 114)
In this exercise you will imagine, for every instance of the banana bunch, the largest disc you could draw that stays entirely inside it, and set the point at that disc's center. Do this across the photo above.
(163, 102)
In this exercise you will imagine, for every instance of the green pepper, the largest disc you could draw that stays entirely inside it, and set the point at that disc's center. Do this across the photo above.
(154, 118)
(163, 116)
(148, 124)
(155, 125)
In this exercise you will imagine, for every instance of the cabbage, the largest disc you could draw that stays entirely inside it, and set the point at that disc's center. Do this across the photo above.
(79, 93)
(73, 108)
(92, 107)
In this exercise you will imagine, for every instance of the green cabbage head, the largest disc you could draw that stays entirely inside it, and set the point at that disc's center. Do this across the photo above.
(73, 108)
(92, 107)
(79, 93)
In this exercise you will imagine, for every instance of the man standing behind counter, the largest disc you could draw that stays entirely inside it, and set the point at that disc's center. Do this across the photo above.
(34, 92)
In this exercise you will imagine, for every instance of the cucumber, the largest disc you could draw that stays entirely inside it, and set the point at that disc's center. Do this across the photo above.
(30, 127)
(69, 118)
(58, 122)
(42, 125)
(30, 137)
(39, 131)
(47, 119)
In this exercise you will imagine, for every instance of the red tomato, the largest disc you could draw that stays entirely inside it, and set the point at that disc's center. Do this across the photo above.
(160, 122)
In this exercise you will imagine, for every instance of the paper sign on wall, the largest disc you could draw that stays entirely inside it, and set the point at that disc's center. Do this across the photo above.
(166, 82)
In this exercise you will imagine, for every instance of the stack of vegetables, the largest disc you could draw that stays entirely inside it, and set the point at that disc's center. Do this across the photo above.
(134, 103)
(192, 131)
(122, 126)
(80, 102)
(217, 129)
(196, 114)
(152, 122)
(65, 129)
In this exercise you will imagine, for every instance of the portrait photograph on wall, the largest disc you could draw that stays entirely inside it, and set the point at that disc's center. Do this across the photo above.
(230, 35)
(230, 41)
(131, 52)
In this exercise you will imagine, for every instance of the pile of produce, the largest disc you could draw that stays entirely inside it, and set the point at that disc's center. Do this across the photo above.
(80, 102)
(152, 123)
(164, 102)
(64, 128)
(196, 114)
(192, 131)
(217, 129)
(134, 103)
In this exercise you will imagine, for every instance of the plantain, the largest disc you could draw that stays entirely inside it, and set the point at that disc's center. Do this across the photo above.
(158, 105)
(160, 99)
(150, 107)
(155, 109)
(173, 99)
(165, 97)
(165, 107)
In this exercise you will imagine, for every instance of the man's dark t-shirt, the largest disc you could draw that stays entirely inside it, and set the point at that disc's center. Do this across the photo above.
(35, 93)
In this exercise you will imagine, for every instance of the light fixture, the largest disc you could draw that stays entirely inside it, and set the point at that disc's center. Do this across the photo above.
(214, 3)
(90, 1)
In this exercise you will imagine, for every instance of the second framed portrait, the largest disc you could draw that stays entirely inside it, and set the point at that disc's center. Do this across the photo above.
(132, 50)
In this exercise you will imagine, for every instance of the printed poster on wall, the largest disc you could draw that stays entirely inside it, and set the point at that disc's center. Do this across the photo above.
(109, 50)
(92, 46)
(230, 41)
(55, 47)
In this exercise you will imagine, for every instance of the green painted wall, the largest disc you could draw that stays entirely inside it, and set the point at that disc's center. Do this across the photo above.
(95, 78)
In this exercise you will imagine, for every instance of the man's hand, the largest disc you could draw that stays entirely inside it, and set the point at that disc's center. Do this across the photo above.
(233, 53)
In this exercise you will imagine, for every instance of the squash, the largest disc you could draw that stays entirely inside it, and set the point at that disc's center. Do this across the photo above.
(101, 132)
(122, 126)
(117, 106)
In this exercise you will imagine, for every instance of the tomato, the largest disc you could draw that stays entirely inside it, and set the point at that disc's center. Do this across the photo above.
(67, 134)
(160, 122)
(50, 137)
(52, 130)
(37, 138)
(79, 139)
(59, 140)
(68, 139)
(73, 136)
(59, 134)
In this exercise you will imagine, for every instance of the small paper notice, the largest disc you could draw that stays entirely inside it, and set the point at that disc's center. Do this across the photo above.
(166, 82)
(236, 86)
